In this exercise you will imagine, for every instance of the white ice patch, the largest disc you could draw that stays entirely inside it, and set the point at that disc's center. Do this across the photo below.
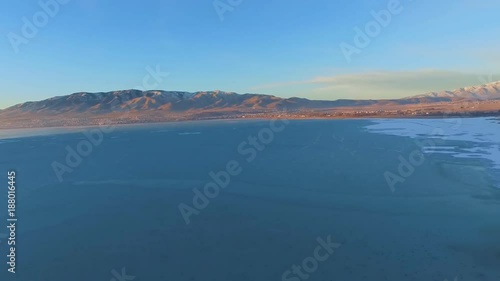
(483, 131)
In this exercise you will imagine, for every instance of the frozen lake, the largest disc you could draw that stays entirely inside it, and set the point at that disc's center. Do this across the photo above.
(436, 218)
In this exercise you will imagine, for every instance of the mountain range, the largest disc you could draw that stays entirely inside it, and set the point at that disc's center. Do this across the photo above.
(217, 103)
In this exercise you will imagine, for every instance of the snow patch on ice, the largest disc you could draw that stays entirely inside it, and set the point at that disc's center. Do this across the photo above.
(484, 132)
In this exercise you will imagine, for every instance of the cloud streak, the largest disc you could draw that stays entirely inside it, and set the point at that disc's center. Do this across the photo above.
(381, 84)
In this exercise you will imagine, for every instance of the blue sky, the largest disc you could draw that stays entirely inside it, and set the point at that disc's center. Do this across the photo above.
(285, 48)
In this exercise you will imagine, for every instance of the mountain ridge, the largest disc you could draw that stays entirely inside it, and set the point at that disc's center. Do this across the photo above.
(481, 92)
(182, 101)
(136, 106)
(175, 101)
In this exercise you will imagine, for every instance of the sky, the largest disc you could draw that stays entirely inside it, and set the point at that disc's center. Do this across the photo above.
(317, 49)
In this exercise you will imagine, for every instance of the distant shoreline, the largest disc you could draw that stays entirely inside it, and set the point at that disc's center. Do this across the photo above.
(137, 123)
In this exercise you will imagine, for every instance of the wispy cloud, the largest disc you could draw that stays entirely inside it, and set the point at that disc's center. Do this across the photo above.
(380, 84)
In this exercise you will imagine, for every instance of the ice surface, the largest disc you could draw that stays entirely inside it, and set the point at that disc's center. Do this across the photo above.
(485, 132)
